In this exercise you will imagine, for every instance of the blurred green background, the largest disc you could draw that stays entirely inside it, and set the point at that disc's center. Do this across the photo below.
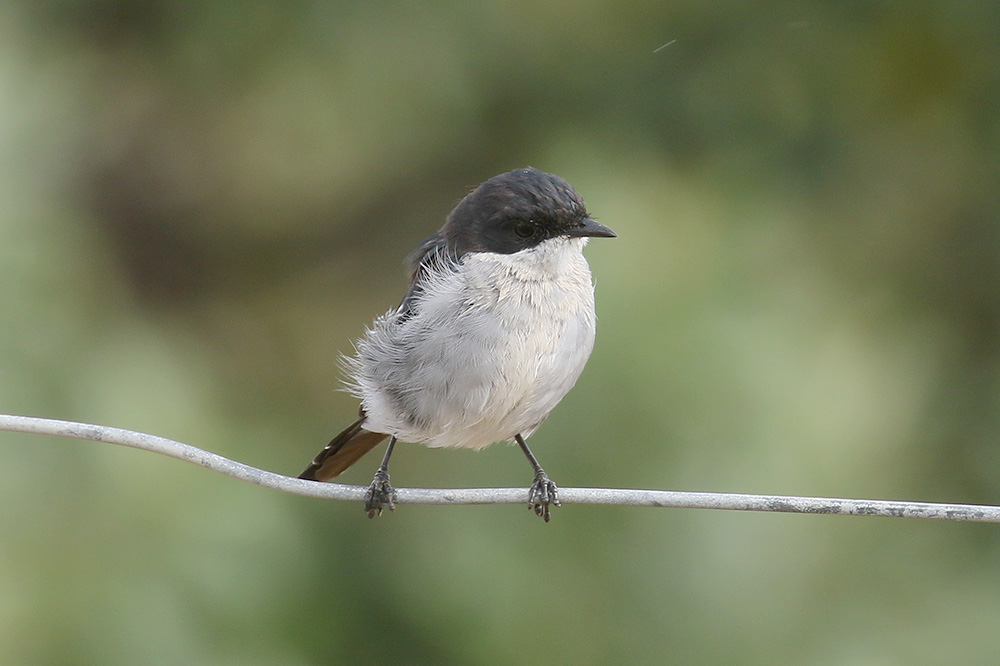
(203, 203)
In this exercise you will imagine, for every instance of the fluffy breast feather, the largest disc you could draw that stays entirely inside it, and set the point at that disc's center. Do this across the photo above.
(488, 348)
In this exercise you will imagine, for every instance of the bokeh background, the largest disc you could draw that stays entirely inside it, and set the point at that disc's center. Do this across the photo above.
(203, 203)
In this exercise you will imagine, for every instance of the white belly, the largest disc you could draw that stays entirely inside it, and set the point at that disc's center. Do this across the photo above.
(487, 356)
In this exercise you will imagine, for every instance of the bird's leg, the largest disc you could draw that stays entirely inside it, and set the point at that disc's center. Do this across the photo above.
(543, 491)
(380, 492)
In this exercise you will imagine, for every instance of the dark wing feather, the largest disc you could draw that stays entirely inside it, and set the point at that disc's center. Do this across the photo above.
(432, 253)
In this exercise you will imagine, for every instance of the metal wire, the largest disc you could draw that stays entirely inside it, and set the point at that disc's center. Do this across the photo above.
(606, 496)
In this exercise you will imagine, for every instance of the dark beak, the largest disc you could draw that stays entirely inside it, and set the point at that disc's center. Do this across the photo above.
(588, 227)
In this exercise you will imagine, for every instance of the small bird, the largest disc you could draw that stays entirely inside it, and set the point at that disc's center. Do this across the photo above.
(494, 330)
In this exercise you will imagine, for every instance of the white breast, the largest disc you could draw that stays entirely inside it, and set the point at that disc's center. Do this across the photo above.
(490, 350)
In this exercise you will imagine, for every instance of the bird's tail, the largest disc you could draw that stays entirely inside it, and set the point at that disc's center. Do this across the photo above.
(345, 450)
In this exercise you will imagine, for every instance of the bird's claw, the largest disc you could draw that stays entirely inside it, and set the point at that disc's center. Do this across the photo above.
(542, 494)
(381, 494)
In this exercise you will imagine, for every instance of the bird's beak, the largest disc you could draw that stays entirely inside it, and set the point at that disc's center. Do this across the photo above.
(589, 227)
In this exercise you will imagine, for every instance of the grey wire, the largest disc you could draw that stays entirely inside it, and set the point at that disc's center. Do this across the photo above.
(607, 496)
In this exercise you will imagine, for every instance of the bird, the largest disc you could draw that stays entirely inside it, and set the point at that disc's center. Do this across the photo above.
(494, 330)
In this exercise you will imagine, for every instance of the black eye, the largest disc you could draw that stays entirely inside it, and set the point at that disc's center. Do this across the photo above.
(524, 229)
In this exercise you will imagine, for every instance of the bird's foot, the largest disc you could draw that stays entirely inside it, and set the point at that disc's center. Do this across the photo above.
(542, 494)
(380, 494)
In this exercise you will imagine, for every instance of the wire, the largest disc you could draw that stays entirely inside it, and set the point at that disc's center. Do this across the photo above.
(606, 496)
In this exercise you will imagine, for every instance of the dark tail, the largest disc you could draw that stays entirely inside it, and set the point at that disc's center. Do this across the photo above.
(345, 450)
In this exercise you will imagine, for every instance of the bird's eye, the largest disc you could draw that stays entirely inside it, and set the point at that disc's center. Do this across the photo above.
(524, 229)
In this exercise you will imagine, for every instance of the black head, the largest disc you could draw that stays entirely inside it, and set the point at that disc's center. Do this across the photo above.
(516, 211)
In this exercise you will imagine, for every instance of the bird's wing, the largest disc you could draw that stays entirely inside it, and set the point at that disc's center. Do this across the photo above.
(430, 256)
